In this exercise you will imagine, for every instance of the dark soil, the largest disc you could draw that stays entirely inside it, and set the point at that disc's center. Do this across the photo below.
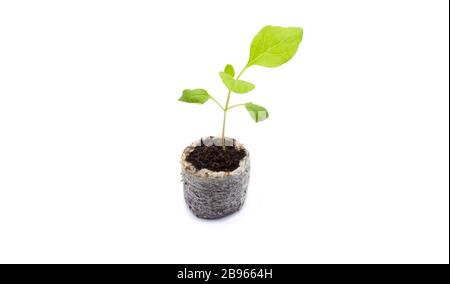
(214, 158)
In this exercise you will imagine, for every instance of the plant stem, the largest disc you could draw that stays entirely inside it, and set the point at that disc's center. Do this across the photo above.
(214, 100)
(242, 71)
(225, 119)
(237, 105)
(225, 110)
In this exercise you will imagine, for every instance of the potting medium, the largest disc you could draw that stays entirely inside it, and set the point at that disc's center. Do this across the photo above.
(214, 194)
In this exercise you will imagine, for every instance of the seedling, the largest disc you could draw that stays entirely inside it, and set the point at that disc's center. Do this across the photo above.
(271, 47)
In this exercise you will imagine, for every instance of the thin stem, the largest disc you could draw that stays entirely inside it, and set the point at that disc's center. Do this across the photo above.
(238, 105)
(214, 100)
(225, 119)
(225, 110)
(242, 71)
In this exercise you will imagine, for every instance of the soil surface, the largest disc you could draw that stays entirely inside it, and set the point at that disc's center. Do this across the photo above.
(214, 158)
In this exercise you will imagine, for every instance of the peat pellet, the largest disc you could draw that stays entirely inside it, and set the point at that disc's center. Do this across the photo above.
(219, 191)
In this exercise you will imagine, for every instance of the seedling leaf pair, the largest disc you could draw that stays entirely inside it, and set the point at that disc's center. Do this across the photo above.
(236, 86)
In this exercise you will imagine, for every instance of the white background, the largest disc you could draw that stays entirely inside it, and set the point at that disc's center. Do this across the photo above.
(351, 167)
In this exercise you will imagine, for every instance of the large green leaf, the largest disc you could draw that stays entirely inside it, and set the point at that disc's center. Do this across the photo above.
(258, 113)
(236, 86)
(196, 96)
(274, 46)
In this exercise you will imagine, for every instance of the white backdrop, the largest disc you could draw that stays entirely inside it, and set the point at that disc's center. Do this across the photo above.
(351, 167)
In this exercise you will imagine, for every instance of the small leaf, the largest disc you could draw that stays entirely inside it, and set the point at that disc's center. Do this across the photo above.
(196, 96)
(236, 86)
(258, 113)
(274, 46)
(229, 70)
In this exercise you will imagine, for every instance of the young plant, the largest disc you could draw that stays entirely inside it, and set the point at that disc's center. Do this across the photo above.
(271, 47)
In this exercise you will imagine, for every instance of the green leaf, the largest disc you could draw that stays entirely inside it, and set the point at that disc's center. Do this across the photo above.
(258, 113)
(229, 70)
(196, 96)
(236, 86)
(274, 46)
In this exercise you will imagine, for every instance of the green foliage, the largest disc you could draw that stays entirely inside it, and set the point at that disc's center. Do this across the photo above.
(274, 46)
(196, 96)
(229, 69)
(271, 47)
(236, 86)
(258, 113)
